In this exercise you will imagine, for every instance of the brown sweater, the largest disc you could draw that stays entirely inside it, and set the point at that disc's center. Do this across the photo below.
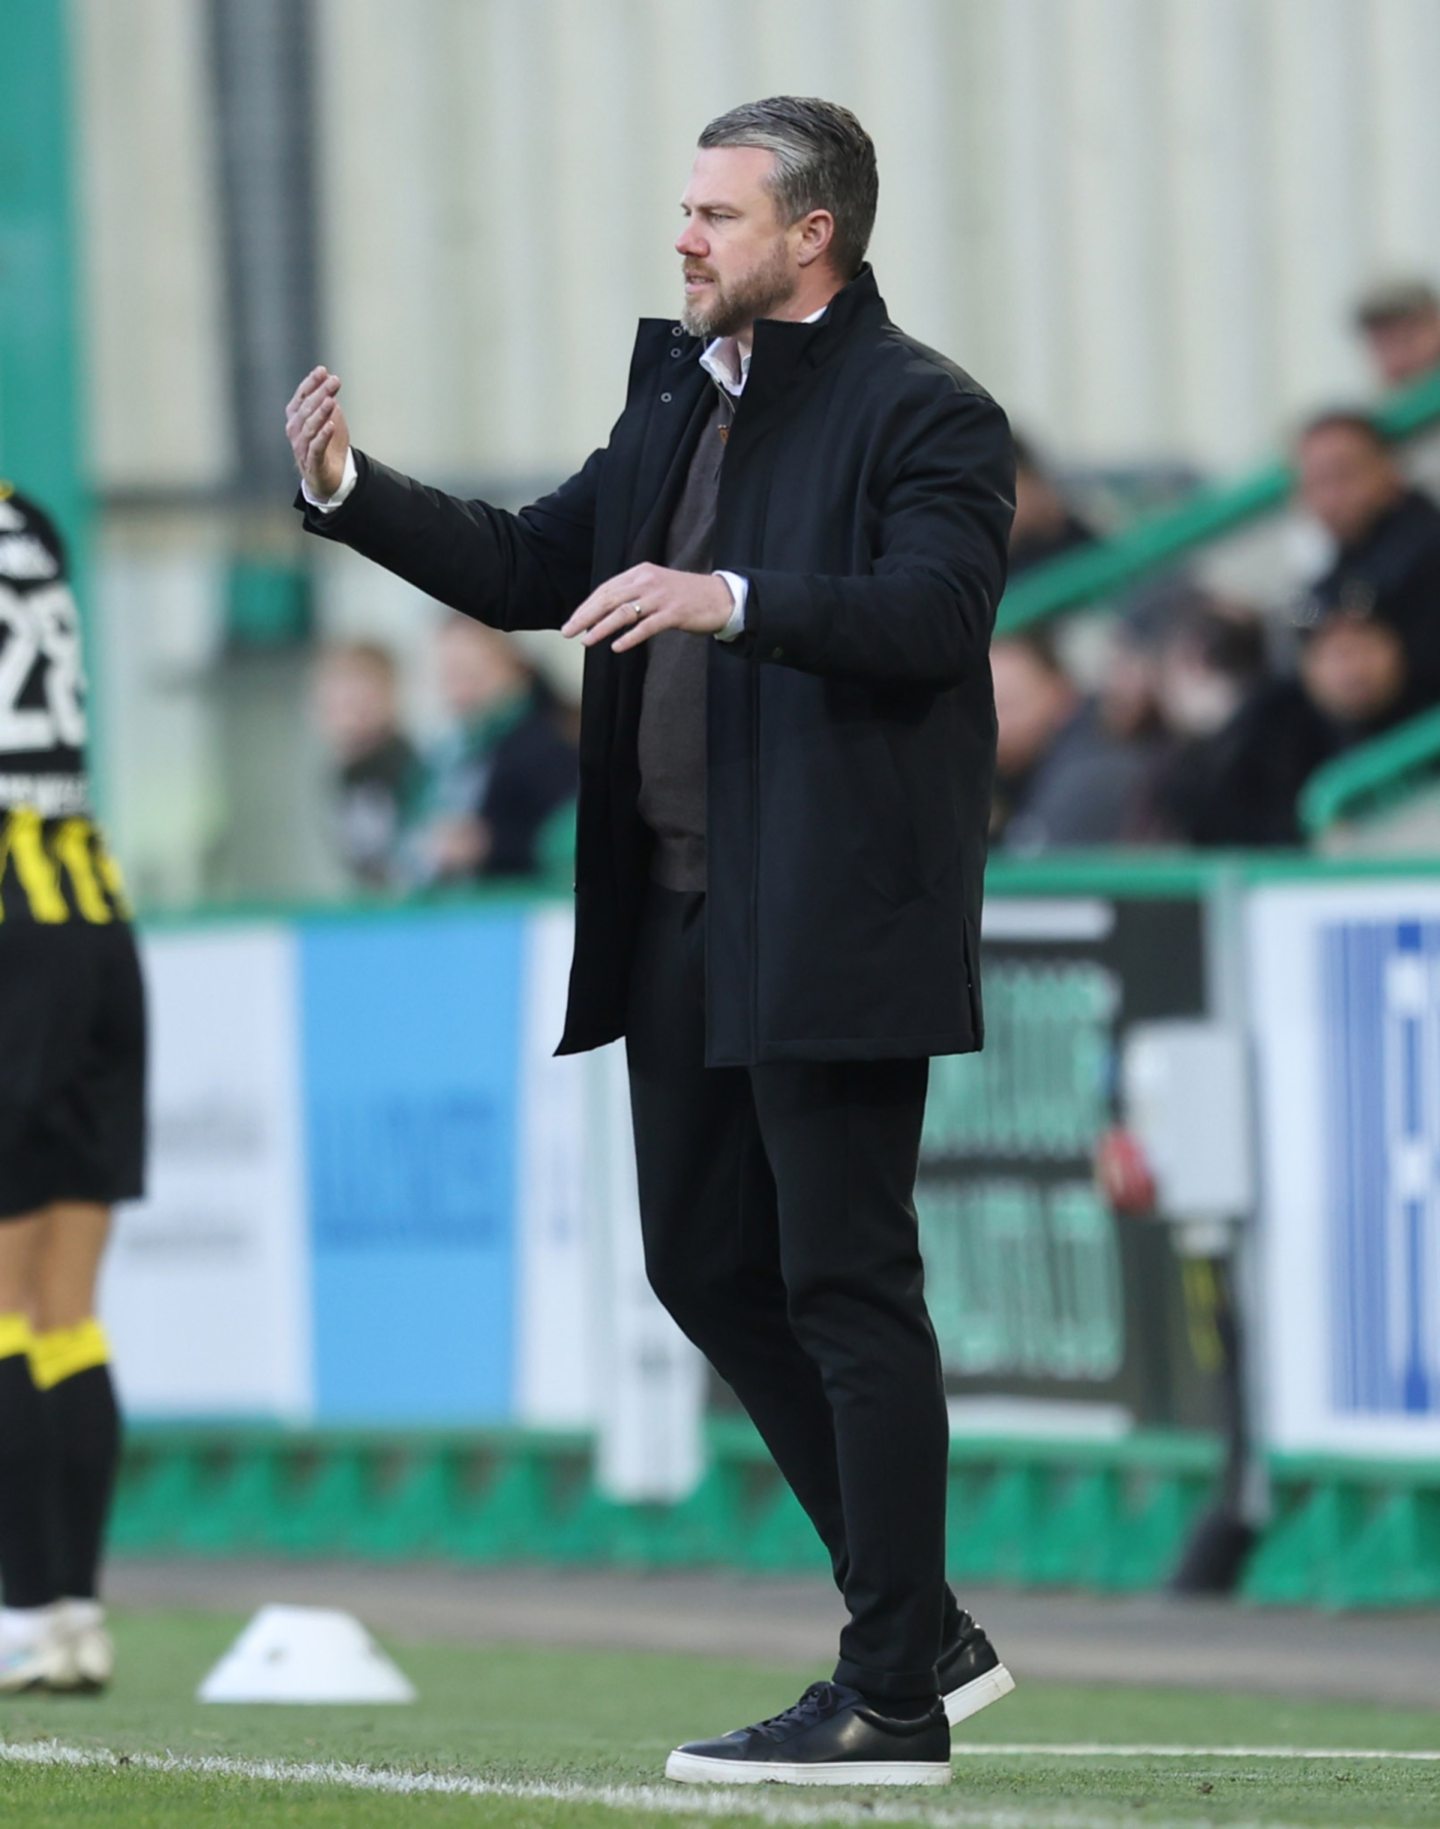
(672, 708)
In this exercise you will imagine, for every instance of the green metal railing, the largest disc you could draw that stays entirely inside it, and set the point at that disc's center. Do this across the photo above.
(1157, 541)
(1372, 775)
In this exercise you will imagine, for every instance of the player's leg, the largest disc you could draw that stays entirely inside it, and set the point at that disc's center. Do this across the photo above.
(73, 1235)
(72, 1368)
(40, 995)
(28, 1583)
(98, 1139)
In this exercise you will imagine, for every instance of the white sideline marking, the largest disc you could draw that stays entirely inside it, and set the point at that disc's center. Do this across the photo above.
(655, 1800)
(1033, 1748)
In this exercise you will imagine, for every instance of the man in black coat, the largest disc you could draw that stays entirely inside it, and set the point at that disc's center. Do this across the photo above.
(784, 566)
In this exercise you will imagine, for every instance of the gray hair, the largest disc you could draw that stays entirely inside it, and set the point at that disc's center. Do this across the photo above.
(824, 160)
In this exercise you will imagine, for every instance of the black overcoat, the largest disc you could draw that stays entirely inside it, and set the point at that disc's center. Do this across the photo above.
(866, 495)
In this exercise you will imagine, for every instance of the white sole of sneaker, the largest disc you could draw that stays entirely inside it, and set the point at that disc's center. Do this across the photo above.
(47, 1684)
(691, 1769)
(971, 1697)
(92, 1661)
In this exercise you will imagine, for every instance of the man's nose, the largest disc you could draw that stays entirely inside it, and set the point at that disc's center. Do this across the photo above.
(690, 242)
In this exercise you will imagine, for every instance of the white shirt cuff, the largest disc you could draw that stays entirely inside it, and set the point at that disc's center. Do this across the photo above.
(739, 589)
(342, 494)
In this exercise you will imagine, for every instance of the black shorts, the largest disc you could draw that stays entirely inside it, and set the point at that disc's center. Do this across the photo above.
(72, 1063)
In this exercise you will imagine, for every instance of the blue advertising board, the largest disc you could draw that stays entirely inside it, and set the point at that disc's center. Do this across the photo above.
(1382, 1128)
(410, 1036)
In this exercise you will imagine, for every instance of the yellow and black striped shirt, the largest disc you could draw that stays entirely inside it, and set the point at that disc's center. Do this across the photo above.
(57, 870)
(54, 864)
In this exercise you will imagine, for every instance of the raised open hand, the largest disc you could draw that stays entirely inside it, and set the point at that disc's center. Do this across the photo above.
(319, 437)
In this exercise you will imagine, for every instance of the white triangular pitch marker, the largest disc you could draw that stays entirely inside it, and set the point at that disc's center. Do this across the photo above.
(305, 1654)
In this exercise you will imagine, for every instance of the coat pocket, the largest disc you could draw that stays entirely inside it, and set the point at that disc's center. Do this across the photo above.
(888, 837)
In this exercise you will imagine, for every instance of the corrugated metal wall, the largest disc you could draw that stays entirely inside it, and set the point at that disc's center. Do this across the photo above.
(150, 247)
(1139, 221)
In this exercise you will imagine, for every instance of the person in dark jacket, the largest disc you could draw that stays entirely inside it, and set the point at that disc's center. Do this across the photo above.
(784, 566)
(1242, 785)
(1386, 535)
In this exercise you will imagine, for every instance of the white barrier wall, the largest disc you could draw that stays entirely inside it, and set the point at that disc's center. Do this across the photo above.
(594, 1347)
(558, 1259)
(207, 1287)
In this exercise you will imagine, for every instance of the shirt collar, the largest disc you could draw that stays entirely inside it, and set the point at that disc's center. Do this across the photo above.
(725, 365)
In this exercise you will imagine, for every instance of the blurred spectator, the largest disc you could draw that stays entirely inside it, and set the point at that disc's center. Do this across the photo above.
(1369, 655)
(1400, 322)
(376, 770)
(1212, 664)
(1129, 695)
(1242, 786)
(1213, 659)
(1061, 777)
(505, 770)
(1045, 524)
(1386, 535)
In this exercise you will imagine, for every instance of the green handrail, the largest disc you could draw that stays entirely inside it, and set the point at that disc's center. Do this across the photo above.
(1157, 541)
(1370, 773)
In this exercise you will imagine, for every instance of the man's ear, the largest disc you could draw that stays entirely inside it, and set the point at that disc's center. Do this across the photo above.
(817, 233)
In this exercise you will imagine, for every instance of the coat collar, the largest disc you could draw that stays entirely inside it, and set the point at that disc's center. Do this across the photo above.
(782, 349)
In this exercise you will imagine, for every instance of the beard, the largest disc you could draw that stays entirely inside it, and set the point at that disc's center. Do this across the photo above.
(757, 294)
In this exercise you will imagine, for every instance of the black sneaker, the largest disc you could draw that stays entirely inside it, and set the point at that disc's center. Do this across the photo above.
(832, 1736)
(971, 1674)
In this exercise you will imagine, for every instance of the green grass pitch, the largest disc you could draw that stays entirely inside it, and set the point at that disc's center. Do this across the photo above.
(569, 1725)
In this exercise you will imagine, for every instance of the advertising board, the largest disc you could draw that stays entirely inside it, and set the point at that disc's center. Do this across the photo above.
(1052, 1311)
(207, 1284)
(411, 1030)
(1345, 997)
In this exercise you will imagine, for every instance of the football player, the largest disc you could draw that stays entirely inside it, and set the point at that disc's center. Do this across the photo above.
(72, 1082)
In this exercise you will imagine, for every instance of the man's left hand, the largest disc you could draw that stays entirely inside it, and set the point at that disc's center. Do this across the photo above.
(639, 603)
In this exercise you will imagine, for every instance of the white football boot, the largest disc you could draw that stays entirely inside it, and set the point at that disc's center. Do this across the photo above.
(90, 1649)
(35, 1651)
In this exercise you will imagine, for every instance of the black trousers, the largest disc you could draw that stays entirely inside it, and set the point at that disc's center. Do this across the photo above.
(779, 1224)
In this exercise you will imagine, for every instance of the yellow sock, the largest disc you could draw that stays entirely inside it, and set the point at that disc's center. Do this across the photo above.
(15, 1335)
(62, 1352)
